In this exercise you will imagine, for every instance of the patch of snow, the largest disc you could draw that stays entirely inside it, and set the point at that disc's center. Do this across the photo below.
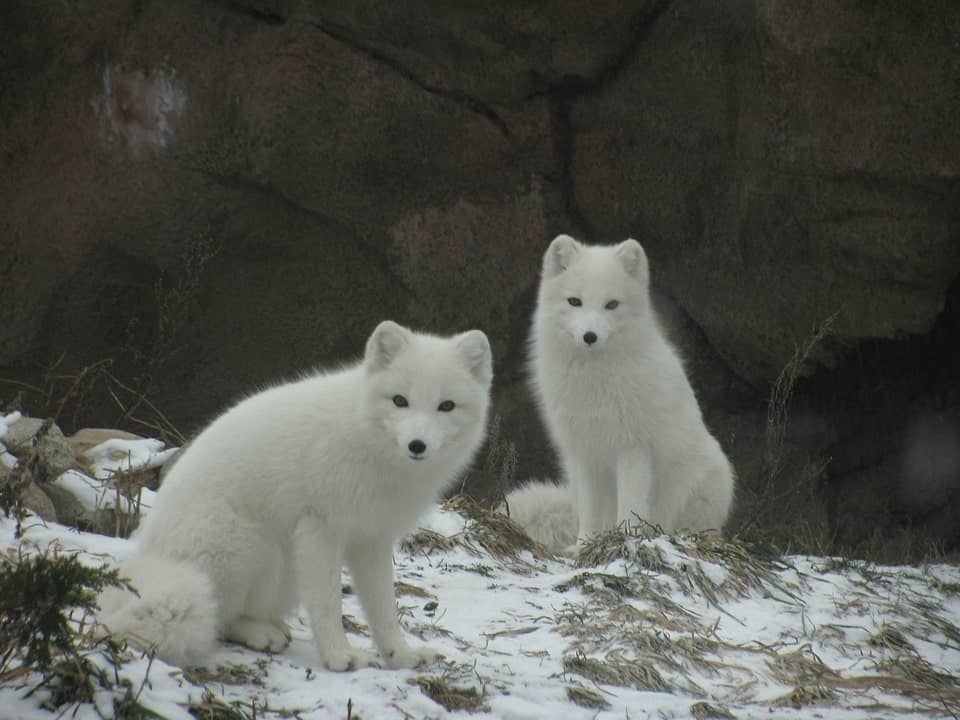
(506, 631)
(98, 494)
(117, 455)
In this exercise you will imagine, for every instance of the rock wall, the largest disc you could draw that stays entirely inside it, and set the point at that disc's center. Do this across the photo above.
(215, 194)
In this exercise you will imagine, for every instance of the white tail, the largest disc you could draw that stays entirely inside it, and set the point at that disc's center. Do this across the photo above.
(175, 615)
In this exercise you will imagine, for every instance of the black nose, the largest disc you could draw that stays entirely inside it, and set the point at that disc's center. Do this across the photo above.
(590, 337)
(417, 447)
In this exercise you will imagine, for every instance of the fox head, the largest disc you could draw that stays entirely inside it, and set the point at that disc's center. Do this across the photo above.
(592, 296)
(429, 395)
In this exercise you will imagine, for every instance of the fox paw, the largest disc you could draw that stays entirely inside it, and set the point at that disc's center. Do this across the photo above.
(262, 636)
(410, 657)
(284, 628)
(346, 659)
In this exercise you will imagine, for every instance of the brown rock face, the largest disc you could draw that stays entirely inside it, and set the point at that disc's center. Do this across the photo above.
(783, 166)
(214, 195)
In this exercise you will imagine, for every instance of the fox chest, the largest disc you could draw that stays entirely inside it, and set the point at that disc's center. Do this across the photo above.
(596, 414)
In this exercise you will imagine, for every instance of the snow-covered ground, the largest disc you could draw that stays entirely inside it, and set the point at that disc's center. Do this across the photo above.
(646, 626)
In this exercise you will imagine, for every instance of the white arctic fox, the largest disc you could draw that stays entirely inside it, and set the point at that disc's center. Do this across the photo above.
(273, 498)
(617, 405)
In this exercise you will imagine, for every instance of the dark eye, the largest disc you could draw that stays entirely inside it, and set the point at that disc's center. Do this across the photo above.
(576, 302)
(400, 401)
(612, 305)
(446, 406)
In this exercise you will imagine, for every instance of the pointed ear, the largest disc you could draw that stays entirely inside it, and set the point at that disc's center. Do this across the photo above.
(634, 259)
(386, 342)
(474, 348)
(561, 253)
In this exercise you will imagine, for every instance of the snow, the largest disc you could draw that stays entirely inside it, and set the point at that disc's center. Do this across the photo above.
(7, 459)
(117, 455)
(94, 494)
(522, 630)
(107, 460)
(506, 627)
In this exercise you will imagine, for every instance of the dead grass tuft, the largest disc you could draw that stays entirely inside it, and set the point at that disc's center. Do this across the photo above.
(405, 588)
(451, 697)
(226, 674)
(706, 711)
(427, 542)
(493, 531)
(617, 670)
(703, 563)
(210, 707)
(579, 695)
(802, 696)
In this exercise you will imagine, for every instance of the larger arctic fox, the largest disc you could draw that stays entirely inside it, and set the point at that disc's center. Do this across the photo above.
(280, 492)
(616, 403)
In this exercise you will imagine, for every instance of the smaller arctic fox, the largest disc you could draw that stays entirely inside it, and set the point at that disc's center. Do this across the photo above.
(617, 405)
(272, 499)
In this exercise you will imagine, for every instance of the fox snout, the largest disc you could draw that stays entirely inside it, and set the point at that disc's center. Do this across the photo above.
(417, 437)
(417, 448)
(590, 331)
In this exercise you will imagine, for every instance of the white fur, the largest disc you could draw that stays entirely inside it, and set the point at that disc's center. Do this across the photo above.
(272, 499)
(620, 411)
(545, 512)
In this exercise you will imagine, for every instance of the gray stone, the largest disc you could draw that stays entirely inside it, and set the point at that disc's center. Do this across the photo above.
(72, 512)
(54, 452)
(69, 509)
(39, 502)
(19, 436)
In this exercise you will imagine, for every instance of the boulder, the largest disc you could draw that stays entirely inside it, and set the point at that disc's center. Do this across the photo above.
(19, 436)
(54, 452)
(783, 164)
(39, 502)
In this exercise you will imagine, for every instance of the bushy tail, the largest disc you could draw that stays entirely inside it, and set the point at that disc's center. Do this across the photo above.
(175, 615)
(546, 512)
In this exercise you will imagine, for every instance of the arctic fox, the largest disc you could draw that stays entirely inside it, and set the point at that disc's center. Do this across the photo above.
(616, 403)
(273, 498)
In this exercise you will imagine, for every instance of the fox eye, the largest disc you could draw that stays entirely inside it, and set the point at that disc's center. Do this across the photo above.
(446, 406)
(575, 301)
(400, 401)
(612, 305)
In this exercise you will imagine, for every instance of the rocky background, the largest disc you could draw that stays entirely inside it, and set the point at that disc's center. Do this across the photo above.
(197, 197)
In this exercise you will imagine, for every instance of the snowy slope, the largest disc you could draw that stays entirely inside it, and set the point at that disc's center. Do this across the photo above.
(660, 628)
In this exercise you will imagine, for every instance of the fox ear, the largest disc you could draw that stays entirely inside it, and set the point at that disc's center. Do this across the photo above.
(386, 342)
(560, 255)
(634, 259)
(475, 350)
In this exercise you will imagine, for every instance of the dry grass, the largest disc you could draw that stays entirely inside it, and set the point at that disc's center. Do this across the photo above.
(496, 533)
(427, 542)
(501, 461)
(227, 674)
(617, 670)
(706, 711)
(802, 696)
(778, 503)
(579, 695)
(490, 532)
(405, 588)
(634, 616)
(452, 697)
(744, 567)
(210, 707)
(351, 625)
